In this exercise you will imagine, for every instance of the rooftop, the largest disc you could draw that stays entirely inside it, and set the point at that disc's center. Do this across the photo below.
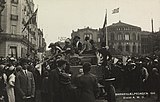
(121, 24)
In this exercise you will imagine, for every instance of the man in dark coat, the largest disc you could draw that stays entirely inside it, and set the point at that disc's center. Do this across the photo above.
(25, 85)
(77, 44)
(54, 81)
(88, 85)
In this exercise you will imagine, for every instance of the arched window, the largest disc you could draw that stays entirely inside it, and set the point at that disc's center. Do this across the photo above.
(119, 36)
(127, 37)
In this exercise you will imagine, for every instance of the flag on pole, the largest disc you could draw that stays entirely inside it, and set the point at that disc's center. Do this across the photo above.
(115, 10)
(32, 19)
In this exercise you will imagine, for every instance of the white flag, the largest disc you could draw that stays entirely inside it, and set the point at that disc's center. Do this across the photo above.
(115, 11)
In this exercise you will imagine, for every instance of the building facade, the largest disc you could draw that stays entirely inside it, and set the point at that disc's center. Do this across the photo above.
(155, 42)
(125, 38)
(146, 43)
(14, 41)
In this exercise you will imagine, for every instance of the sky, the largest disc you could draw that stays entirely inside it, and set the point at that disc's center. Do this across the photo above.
(58, 18)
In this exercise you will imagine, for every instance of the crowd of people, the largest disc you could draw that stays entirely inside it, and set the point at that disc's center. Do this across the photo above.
(51, 80)
(23, 82)
(139, 74)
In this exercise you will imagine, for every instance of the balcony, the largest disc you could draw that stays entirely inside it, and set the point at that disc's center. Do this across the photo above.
(15, 37)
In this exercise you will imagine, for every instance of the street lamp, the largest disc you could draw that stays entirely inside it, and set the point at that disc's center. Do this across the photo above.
(2, 2)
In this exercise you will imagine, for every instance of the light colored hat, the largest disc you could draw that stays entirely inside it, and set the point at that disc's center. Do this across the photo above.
(156, 60)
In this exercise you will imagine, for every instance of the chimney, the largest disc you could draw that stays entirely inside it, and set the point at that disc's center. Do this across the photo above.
(152, 25)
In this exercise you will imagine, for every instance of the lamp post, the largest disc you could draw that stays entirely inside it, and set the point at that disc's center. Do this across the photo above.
(2, 2)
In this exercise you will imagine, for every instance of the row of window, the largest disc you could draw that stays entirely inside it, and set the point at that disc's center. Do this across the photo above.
(122, 29)
(123, 37)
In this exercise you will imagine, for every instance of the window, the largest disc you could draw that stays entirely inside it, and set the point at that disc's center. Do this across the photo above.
(13, 51)
(14, 10)
(126, 36)
(119, 36)
(13, 29)
(88, 35)
(14, 1)
(14, 17)
(99, 40)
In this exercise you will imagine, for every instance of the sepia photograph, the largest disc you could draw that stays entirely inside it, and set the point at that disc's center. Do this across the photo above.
(79, 51)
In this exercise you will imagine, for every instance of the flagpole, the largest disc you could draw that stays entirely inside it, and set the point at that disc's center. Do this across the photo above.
(106, 29)
(28, 42)
(119, 16)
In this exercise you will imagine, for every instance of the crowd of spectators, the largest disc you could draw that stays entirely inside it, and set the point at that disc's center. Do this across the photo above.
(24, 80)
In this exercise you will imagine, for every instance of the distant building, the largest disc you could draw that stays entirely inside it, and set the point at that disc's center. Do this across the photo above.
(14, 42)
(146, 43)
(125, 38)
(156, 42)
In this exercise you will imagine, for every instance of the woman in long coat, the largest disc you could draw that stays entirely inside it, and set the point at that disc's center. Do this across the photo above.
(10, 84)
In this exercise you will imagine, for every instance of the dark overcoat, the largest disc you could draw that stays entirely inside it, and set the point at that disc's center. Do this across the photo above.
(54, 85)
(25, 85)
(88, 87)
